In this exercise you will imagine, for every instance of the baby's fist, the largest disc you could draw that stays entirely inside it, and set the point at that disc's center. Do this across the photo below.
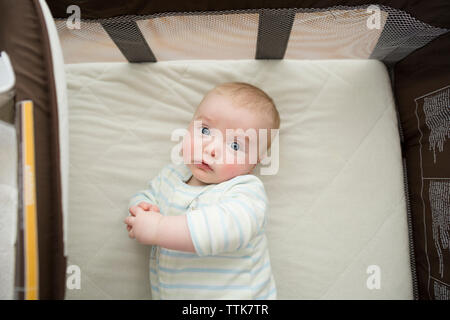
(146, 206)
(143, 225)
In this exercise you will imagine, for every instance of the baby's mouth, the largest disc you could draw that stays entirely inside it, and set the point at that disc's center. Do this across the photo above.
(204, 166)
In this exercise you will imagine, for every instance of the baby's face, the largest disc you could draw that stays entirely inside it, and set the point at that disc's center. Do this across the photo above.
(218, 157)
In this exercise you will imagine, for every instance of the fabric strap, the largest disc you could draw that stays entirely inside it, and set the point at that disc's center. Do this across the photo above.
(129, 39)
(273, 33)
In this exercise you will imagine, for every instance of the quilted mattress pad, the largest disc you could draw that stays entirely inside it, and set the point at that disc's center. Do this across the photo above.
(337, 226)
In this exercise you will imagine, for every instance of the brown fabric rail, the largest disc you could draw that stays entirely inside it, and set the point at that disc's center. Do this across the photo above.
(23, 35)
(332, 33)
(436, 13)
(422, 89)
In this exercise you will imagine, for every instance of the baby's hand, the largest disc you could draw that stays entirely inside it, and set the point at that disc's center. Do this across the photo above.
(147, 206)
(143, 225)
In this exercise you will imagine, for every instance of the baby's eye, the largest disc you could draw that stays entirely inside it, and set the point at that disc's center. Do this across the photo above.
(205, 130)
(235, 146)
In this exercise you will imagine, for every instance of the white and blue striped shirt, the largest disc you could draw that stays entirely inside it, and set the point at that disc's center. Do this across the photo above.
(226, 222)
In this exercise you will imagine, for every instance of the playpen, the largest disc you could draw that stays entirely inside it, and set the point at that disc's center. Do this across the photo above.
(92, 91)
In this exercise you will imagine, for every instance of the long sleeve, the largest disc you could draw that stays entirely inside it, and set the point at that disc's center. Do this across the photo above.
(230, 224)
(149, 195)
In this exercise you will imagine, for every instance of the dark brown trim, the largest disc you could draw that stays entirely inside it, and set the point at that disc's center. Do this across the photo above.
(426, 73)
(53, 268)
(433, 12)
(23, 35)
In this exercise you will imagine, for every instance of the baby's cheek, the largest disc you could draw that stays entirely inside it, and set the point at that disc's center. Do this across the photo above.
(186, 150)
(230, 171)
(188, 147)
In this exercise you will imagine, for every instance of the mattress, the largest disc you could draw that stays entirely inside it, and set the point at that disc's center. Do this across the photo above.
(337, 225)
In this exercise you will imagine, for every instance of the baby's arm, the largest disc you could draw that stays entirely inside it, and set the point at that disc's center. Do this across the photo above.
(223, 227)
(230, 224)
(152, 228)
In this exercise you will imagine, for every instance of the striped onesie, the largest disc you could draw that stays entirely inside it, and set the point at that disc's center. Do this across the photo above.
(226, 222)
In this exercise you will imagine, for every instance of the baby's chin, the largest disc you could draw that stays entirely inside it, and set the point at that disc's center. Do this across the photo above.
(207, 177)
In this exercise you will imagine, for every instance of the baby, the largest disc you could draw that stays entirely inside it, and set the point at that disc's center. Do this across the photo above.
(205, 218)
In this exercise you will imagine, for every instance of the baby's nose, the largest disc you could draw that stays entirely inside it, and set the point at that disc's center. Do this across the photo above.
(210, 149)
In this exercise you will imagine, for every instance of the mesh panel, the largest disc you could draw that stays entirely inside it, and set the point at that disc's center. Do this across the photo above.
(402, 35)
(228, 36)
(90, 43)
(334, 33)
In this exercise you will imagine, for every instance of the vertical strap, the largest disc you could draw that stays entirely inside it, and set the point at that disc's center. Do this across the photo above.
(273, 33)
(129, 39)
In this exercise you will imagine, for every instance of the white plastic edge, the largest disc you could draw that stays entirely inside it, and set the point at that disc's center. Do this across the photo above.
(7, 78)
(63, 116)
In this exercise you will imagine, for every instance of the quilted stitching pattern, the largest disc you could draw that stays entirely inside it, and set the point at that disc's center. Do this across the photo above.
(336, 204)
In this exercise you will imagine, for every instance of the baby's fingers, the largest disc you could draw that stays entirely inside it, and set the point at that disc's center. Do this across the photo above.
(145, 205)
(135, 209)
(154, 208)
(129, 221)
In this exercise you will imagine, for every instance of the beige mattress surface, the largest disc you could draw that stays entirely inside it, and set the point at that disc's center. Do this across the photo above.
(337, 219)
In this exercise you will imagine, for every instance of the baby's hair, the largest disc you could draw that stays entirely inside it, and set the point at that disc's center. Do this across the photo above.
(250, 96)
